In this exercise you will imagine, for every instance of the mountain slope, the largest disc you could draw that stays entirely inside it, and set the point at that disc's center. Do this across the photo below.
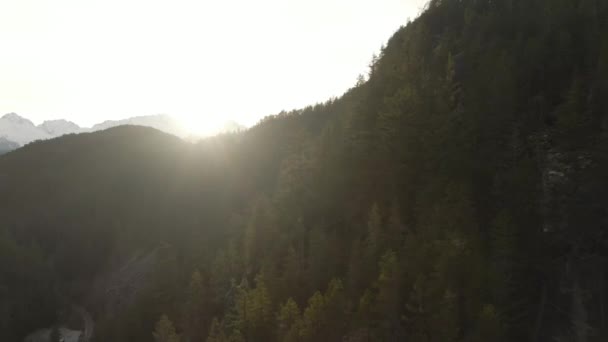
(7, 145)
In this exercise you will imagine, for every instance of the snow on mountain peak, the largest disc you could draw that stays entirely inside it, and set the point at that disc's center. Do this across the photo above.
(14, 118)
(56, 128)
(20, 130)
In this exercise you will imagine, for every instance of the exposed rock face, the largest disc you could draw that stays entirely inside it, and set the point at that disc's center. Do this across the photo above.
(571, 210)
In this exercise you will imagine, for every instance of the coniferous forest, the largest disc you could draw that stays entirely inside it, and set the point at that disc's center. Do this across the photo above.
(458, 192)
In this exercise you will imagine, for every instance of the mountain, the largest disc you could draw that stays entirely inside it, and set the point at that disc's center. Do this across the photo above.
(56, 128)
(20, 130)
(161, 122)
(23, 131)
(457, 194)
(7, 145)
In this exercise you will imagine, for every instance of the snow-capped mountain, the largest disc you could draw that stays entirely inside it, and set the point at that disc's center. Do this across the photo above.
(16, 131)
(56, 128)
(20, 130)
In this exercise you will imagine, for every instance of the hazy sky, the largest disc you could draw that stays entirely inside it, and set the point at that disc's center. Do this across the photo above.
(201, 61)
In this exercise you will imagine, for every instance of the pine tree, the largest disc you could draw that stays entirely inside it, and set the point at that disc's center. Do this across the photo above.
(312, 318)
(324, 318)
(335, 321)
(259, 232)
(489, 326)
(165, 331)
(293, 277)
(423, 308)
(237, 319)
(356, 275)
(388, 300)
(287, 318)
(251, 316)
(250, 247)
(216, 332)
(227, 266)
(374, 231)
(396, 230)
(373, 242)
(197, 307)
(260, 310)
(318, 271)
(504, 264)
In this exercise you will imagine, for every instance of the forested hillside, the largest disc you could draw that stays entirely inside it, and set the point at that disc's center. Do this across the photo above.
(456, 193)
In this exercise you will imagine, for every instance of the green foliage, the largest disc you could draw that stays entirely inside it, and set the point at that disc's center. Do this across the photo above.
(216, 332)
(165, 331)
(252, 314)
(489, 326)
(197, 307)
(287, 317)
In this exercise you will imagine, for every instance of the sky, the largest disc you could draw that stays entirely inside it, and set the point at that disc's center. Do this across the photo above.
(203, 62)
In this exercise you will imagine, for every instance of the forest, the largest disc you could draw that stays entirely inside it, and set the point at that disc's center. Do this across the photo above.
(457, 192)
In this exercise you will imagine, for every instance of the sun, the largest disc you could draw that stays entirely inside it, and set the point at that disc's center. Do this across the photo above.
(200, 125)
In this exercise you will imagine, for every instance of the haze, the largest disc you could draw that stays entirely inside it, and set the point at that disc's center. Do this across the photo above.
(203, 62)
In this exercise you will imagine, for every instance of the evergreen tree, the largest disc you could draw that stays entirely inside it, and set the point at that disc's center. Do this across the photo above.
(396, 229)
(287, 318)
(373, 243)
(197, 307)
(374, 239)
(489, 326)
(312, 318)
(260, 310)
(216, 332)
(388, 300)
(165, 331)
(293, 274)
(356, 269)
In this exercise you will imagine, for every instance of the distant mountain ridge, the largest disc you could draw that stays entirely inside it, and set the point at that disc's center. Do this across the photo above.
(59, 127)
(7, 145)
(20, 130)
(161, 122)
(16, 131)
